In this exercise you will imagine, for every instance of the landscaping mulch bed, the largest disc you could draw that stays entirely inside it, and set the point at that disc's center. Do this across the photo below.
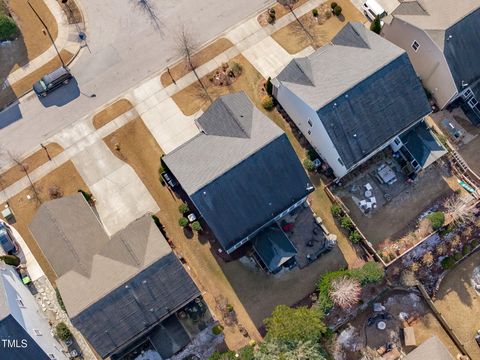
(201, 57)
(111, 112)
(322, 28)
(280, 11)
(31, 162)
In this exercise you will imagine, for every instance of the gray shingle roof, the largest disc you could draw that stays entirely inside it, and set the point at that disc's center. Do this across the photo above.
(93, 271)
(431, 348)
(365, 90)
(356, 53)
(238, 183)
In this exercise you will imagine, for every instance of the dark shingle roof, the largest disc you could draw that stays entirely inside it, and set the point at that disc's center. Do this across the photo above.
(239, 183)
(462, 49)
(273, 247)
(138, 304)
(375, 110)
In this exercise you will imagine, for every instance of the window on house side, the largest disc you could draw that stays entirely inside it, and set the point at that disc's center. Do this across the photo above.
(415, 45)
(20, 303)
(309, 132)
(340, 161)
(37, 332)
(52, 357)
(310, 122)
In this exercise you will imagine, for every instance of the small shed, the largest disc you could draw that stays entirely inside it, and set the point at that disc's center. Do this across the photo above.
(409, 336)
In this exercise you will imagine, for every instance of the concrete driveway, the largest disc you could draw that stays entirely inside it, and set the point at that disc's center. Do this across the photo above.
(388, 5)
(123, 49)
(120, 194)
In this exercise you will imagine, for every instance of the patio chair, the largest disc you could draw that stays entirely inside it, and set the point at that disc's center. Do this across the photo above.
(368, 187)
(363, 204)
(373, 201)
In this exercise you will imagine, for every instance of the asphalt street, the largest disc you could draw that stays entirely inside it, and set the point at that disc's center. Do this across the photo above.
(124, 48)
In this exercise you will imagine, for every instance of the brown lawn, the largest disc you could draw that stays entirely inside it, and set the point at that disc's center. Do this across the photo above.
(459, 303)
(32, 41)
(203, 56)
(280, 11)
(294, 39)
(19, 88)
(68, 180)
(111, 112)
(30, 163)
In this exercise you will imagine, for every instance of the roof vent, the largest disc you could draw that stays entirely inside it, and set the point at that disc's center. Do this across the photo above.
(346, 95)
(355, 136)
(334, 104)
(144, 282)
(127, 287)
(449, 37)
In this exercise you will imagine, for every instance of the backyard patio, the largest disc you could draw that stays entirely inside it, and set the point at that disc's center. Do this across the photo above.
(380, 191)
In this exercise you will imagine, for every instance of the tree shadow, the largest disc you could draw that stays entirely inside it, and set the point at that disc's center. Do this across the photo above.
(63, 95)
(341, 18)
(188, 232)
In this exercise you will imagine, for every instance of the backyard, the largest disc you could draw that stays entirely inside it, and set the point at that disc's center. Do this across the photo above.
(402, 308)
(403, 201)
(459, 302)
(64, 180)
(322, 28)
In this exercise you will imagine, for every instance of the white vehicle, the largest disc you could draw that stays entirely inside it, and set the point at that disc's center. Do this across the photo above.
(372, 9)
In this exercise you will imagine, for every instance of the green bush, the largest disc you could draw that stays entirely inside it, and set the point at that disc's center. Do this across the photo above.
(346, 223)
(62, 331)
(448, 262)
(336, 211)
(227, 355)
(466, 249)
(8, 28)
(183, 208)
(333, 5)
(196, 226)
(269, 86)
(271, 18)
(86, 195)
(267, 102)
(355, 237)
(246, 353)
(236, 68)
(60, 300)
(183, 221)
(457, 256)
(337, 10)
(376, 25)
(370, 272)
(475, 243)
(10, 260)
(217, 329)
(308, 164)
(315, 12)
(436, 219)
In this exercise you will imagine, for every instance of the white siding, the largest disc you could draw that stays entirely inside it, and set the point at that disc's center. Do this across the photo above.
(428, 61)
(29, 317)
(301, 113)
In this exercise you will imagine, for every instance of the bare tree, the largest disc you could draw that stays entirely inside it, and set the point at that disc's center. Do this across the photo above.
(149, 9)
(289, 4)
(345, 292)
(186, 46)
(24, 168)
(460, 210)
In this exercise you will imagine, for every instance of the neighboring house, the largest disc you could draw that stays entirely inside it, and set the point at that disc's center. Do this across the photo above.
(240, 172)
(118, 290)
(442, 40)
(353, 97)
(431, 348)
(24, 331)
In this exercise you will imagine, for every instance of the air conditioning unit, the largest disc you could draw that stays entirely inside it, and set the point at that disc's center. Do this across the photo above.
(396, 144)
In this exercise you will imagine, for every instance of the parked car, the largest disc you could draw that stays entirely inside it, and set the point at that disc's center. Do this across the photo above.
(8, 244)
(372, 9)
(52, 81)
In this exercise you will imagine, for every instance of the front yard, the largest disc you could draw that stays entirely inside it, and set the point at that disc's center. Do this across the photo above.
(322, 28)
(63, 181)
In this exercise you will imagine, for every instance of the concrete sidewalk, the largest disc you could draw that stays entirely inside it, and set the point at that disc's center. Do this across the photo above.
(67, 39)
